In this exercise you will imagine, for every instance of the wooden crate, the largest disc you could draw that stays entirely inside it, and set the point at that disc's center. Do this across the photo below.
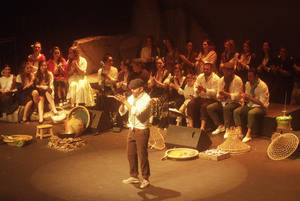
(217, 157)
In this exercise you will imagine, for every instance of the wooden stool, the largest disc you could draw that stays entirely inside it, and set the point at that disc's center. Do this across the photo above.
(44, 130)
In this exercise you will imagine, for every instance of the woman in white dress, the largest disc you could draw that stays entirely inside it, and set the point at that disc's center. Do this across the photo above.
(80, 91)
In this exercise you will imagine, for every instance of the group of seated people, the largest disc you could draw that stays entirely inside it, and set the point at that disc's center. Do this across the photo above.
(229, 92)
(40, 81)
(234, 92)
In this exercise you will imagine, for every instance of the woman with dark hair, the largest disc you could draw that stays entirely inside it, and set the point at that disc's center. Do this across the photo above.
(36, 56)
(265, 61)
(158, 85)
(283, 70)
(169, 54)
(245, 61)
(58, 66)
(158, 82)
(123, 76)
(80, 91)
(177, 83)
(24, 83)
(206, 55)
(43, 83)
(188, 58)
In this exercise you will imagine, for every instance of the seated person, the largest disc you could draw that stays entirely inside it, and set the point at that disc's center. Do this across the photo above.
(44, 89)
(229, 54)
(158, 89)
(246, 59)
(205, 91)
(230, 87)
(188, 93)
(107, 75)
(188, 58)
(283, 72)
(295, 97)
(123, 77)
(36, 56)
(138, 71)
(256, 99)
(149, 52)
(57, 65)
(80, 91)
(177, 82)
(107, 79)
(24, 83)
(8, 101)
(158, 81)
(207, 54)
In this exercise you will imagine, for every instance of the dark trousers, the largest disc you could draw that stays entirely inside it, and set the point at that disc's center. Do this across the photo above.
(253, 116)
(216, 108)
(197, 109)
(137, 148)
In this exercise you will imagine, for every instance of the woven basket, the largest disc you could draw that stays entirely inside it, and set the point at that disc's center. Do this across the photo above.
(233, 144)
(157, 138)
(283, 146)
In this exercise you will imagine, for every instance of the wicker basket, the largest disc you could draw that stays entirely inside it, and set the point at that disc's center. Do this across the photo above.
(283, 146)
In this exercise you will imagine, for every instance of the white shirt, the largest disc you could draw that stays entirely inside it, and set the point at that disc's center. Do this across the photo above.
(261, 92)
(211, 85)
(187, 91)
(6, 82)
(235, 89)
(140, 111)
(113, 73)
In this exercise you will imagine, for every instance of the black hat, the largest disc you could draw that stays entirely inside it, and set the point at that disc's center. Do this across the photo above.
(136, 83)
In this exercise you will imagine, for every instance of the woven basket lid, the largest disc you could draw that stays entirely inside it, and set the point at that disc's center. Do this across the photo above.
(283, 146)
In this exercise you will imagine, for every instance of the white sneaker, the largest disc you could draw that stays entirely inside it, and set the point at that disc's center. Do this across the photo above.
(218, 130)
(131, 180)
(144, 183)
(246, 139)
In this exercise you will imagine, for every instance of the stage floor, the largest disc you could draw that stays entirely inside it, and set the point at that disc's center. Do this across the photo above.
(95, 172)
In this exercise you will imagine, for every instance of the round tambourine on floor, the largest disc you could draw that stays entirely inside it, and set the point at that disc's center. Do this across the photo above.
(181, 154)
(78, 120)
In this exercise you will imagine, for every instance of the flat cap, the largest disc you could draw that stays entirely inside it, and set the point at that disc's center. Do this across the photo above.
(136, 83)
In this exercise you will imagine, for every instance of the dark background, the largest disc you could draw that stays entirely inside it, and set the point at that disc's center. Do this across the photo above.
(61, 22)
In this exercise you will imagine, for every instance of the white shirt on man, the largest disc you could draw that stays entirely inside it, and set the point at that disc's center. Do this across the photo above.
(235, 89)
(261, 92)
(211, 85)
(140, 111)
(112, 73)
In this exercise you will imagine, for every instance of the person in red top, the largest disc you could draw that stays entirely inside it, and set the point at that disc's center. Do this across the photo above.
(36, 57)
(58, 66)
